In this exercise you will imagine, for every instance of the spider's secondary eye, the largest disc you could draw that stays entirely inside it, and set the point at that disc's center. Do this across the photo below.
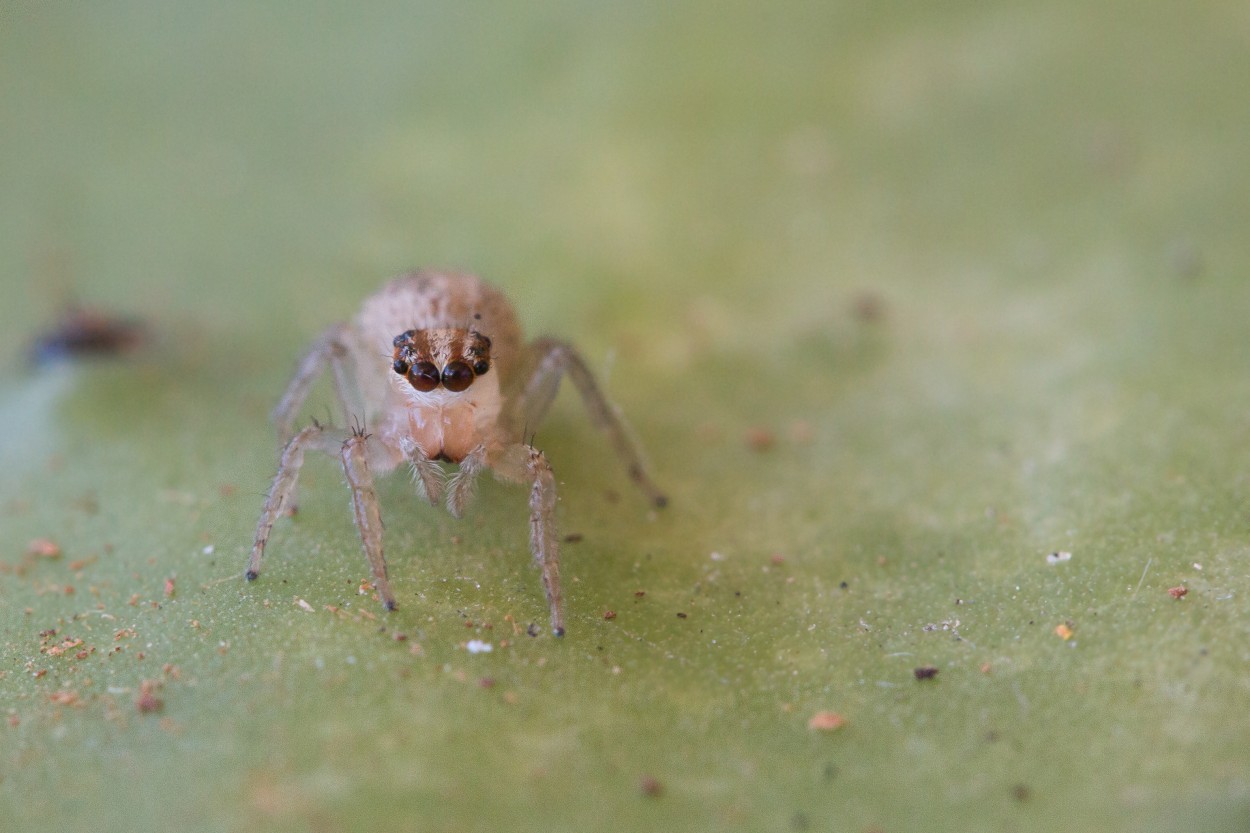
(457, 376)
(400, 366)
(423, 377)
(481, 367)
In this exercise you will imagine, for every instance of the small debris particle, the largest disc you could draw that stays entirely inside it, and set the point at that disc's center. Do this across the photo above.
(146, 700)
(760, 438)
(134, 600)
(717, 556)
(44, 548)
(681, 615)
(1178, 592)
(638, 594)
(986, 668)
(303, 605)
(609, 615)
(1021, 792)
(868, 307)
(801, 432)
(925, 672)
(477, 646)
(1064, 631)
(776, 559)
(532, 630)
(650, 786)
(826, 721)
(573, 538)
(486, 682)
(65, 697)
(1058, 557)
(169, 587)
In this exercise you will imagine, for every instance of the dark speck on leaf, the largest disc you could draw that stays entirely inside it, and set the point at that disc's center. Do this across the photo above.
(80, 332)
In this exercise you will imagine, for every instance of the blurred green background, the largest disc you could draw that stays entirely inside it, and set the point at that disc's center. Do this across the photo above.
(901, 298)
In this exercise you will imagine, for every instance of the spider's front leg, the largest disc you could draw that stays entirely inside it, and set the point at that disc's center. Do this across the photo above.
(352, 451)
(282, 493)
(522, 463)
(354, 455)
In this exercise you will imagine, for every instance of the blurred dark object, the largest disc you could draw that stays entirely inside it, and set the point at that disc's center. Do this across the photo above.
(82, 332)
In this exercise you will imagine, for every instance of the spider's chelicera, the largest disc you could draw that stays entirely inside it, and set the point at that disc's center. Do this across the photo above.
(457, 385)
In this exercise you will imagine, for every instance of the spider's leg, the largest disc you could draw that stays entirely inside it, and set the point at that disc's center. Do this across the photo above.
(282, 493)
(329, 348)
(525, 464)
(553, 359)
(354, 454)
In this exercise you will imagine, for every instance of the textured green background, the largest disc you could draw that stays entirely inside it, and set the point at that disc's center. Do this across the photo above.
(1047, 202)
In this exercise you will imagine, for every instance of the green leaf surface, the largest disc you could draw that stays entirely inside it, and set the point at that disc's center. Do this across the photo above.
(900, 298)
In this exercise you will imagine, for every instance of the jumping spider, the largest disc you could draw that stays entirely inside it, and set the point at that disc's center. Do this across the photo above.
(434, 365)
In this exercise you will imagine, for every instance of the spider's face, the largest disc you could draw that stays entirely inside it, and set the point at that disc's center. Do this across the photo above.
(450, 358)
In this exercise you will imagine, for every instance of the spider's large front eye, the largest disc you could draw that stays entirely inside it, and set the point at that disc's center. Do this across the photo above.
(423, 377)
(457, 376)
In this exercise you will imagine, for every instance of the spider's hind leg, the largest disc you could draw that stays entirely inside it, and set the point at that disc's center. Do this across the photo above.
(330, 348)
(553, 359)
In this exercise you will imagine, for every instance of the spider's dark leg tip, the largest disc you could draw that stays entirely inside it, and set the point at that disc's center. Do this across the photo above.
(251, 575)
(558, 631)
(391, 605)
(660, 501)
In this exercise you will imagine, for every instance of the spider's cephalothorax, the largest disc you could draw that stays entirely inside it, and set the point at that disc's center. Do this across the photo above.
(416, 399)
(450, 357)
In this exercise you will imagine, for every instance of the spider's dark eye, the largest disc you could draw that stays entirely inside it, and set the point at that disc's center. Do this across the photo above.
(423, 376)
(400, 366)
(457, 376)
(481, 367)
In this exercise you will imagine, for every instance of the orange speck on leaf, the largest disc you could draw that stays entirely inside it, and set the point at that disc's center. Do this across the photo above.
(826, 721)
